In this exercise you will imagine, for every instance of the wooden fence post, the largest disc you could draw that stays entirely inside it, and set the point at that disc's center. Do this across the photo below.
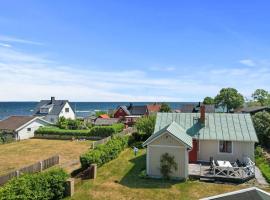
(69, 187)
(93, 171)
(17, 173)
(40, 166)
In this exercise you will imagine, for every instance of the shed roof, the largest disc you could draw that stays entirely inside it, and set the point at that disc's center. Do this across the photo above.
(14, 122)
(174, 129)
(218, 126)
(252, 193)
(106, 121)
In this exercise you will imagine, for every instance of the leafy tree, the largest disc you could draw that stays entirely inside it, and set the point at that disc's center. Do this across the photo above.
(62, 123)
(208, 101)
(261, 121)
(165, 108)
(229, 98)
(145, 125)
(262, 96)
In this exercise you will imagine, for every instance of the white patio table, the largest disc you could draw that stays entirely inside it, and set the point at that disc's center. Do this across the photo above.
(224, 163)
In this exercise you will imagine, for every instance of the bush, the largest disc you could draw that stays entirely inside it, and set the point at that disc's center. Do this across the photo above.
(96, 131)
(6, 137)
(105, 131)
(46, 185)
(57, 131)
(104, 152)
(73, 124)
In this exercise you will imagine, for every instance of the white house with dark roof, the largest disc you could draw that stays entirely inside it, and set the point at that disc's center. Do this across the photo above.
(52, 110)
(197, 137)
(23, 127)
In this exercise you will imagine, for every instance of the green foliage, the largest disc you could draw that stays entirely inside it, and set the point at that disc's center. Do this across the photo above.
(262, 96)
(46, 185)
(229, 98)
(262, 163)
(73, 124)
(208, 101)
(96, 131)
(165, 108)
(145, 125)
(104, 152)
(6, 137)
(167, 164)
(98, 113)
(261, 121)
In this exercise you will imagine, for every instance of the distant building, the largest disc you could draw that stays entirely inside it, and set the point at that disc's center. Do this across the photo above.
(52, 110)
(123, 111)
(191, 108)
(104, 116)
(153, 108)
(23, 127)
(253, 109)
(252, 193)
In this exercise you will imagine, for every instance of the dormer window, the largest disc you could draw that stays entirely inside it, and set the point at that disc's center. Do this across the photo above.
(45, 109)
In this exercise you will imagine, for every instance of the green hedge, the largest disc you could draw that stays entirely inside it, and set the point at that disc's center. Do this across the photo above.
(105, 131)
(97, 131)
(46, 185)
(104, 152)
(262, 163)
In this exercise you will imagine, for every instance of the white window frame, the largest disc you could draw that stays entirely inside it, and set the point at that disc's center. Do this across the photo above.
(219, 146)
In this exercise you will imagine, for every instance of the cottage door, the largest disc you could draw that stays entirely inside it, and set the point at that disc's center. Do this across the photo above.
(194, 152)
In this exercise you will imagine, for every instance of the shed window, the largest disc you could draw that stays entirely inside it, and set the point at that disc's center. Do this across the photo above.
(66, 109)
(28, 129)
(225, 146)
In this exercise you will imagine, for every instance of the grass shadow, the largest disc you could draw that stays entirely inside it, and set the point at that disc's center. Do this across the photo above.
(132, 180)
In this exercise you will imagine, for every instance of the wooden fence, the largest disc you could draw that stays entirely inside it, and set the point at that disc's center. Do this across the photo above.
(36, 167)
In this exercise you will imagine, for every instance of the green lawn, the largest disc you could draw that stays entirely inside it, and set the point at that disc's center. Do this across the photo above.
(119, 179)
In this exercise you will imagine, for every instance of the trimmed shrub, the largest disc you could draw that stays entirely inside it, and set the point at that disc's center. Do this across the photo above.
(105, 131)
(96, 131)
(104, 152)
(46, 185)
(58, 131)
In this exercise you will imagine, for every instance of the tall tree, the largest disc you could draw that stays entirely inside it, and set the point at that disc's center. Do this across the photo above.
(229, 98)
(262, 96)
(261, 121)
(165, 108)
(208, 101)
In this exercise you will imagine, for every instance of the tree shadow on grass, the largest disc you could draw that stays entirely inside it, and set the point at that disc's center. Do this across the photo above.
(132, 179)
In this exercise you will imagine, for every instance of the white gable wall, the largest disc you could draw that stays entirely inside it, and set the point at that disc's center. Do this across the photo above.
(67, 115)
(24, 133)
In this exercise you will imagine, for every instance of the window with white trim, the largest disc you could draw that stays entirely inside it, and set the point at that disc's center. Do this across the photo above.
(225, 146)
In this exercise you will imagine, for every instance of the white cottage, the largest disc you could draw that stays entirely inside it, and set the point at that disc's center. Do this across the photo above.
(52, 110)
(23, 127)
(197, 137)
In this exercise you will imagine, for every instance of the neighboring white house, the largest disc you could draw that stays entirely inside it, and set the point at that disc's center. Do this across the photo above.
(23, 127)
(197, 137)
(52, 110)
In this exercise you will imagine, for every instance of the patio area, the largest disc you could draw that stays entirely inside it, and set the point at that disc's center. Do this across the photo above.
(223, 171)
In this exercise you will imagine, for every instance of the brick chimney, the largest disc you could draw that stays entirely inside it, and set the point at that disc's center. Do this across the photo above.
(202, 114)
(52, 100)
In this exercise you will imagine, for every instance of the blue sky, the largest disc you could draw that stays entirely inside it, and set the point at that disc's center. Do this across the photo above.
(132, 50)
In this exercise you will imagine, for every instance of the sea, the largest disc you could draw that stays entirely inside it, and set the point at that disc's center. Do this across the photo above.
(82, 109)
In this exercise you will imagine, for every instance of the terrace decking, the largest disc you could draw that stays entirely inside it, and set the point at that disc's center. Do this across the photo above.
(229, 174)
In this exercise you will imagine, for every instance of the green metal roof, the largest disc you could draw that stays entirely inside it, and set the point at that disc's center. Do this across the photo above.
(174, 129)
(218, 126)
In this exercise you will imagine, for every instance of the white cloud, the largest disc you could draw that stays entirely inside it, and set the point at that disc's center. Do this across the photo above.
(5, 45)
(27, 76)
(247, 62)
(166, 69)
(4, 38)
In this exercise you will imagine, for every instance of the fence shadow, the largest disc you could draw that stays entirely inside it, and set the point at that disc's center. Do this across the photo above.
(132, 179)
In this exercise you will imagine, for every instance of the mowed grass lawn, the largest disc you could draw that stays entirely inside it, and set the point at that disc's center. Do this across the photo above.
(119, 179)
(18, 154)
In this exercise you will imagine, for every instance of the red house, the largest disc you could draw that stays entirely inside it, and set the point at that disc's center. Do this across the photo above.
(121, 112)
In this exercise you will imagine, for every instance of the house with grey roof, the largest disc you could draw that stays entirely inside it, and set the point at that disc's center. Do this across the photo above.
(51, 110)
(199, 137)
(252, 193)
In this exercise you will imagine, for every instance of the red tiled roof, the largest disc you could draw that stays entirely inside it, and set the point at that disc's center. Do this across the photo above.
(104, 116)
(153, 107)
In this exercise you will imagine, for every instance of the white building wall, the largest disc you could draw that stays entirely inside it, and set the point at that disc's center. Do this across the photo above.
(24, 133)
(67, 115)
(208, 148)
